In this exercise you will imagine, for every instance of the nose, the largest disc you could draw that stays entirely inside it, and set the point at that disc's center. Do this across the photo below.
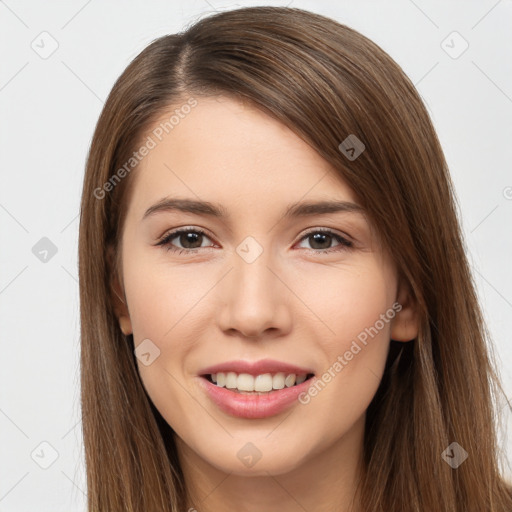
(254, 300)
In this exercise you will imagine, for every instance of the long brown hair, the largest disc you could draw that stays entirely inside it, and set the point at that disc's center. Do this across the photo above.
(325, 82)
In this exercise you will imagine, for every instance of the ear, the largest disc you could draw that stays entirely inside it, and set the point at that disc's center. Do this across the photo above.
(405, 324)
(117, 295)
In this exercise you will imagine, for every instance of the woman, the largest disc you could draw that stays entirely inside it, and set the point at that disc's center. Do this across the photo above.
(231, 357)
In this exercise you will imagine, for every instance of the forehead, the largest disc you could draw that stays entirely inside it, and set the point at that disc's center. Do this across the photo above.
(234, 154)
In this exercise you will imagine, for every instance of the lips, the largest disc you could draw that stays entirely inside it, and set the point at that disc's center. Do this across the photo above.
(255, 405)
(255, 368)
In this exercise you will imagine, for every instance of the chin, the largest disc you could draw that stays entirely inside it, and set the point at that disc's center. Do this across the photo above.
(255, 458)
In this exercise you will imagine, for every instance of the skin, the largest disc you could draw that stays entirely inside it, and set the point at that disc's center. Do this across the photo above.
(293, 303)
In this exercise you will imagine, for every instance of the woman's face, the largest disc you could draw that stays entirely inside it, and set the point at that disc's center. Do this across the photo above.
(312, 289)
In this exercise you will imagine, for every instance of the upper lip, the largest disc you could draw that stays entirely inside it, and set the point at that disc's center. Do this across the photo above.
(255, 367)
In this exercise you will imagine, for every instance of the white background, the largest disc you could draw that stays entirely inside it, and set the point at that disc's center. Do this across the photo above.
(49, 108)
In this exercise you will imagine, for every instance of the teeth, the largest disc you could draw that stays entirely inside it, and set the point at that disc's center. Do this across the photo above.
(278, 381)
(261, 382)
(290, 380)
(300, 379)
(246, 382)
(266, 382)
(231, 380)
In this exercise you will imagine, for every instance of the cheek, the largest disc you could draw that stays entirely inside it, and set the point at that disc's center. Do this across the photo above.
(162, 300)
(354, 305)
(163, 303)
(347, 301)
(168, 306)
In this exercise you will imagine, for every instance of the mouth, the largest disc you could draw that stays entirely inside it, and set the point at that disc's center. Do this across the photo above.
(254, 397)
(262, 384)
(255, 389)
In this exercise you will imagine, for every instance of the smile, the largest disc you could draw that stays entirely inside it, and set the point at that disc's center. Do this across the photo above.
(259, 384)
(254, 404)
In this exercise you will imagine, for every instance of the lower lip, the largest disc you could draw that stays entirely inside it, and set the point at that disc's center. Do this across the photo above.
(254, 406)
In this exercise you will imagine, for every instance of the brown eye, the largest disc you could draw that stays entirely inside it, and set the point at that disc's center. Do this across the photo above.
(189, 239)
(320, 241)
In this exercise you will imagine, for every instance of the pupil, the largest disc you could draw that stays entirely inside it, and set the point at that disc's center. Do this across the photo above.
(318, 236)
(189, 238)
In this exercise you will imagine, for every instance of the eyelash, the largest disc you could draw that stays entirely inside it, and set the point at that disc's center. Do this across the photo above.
(344, 244)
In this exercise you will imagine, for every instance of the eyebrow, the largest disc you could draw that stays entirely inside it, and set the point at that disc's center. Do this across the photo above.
(299, 209)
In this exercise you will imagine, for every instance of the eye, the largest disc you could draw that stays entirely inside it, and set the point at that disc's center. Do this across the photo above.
(190, 238)
(321, 239)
